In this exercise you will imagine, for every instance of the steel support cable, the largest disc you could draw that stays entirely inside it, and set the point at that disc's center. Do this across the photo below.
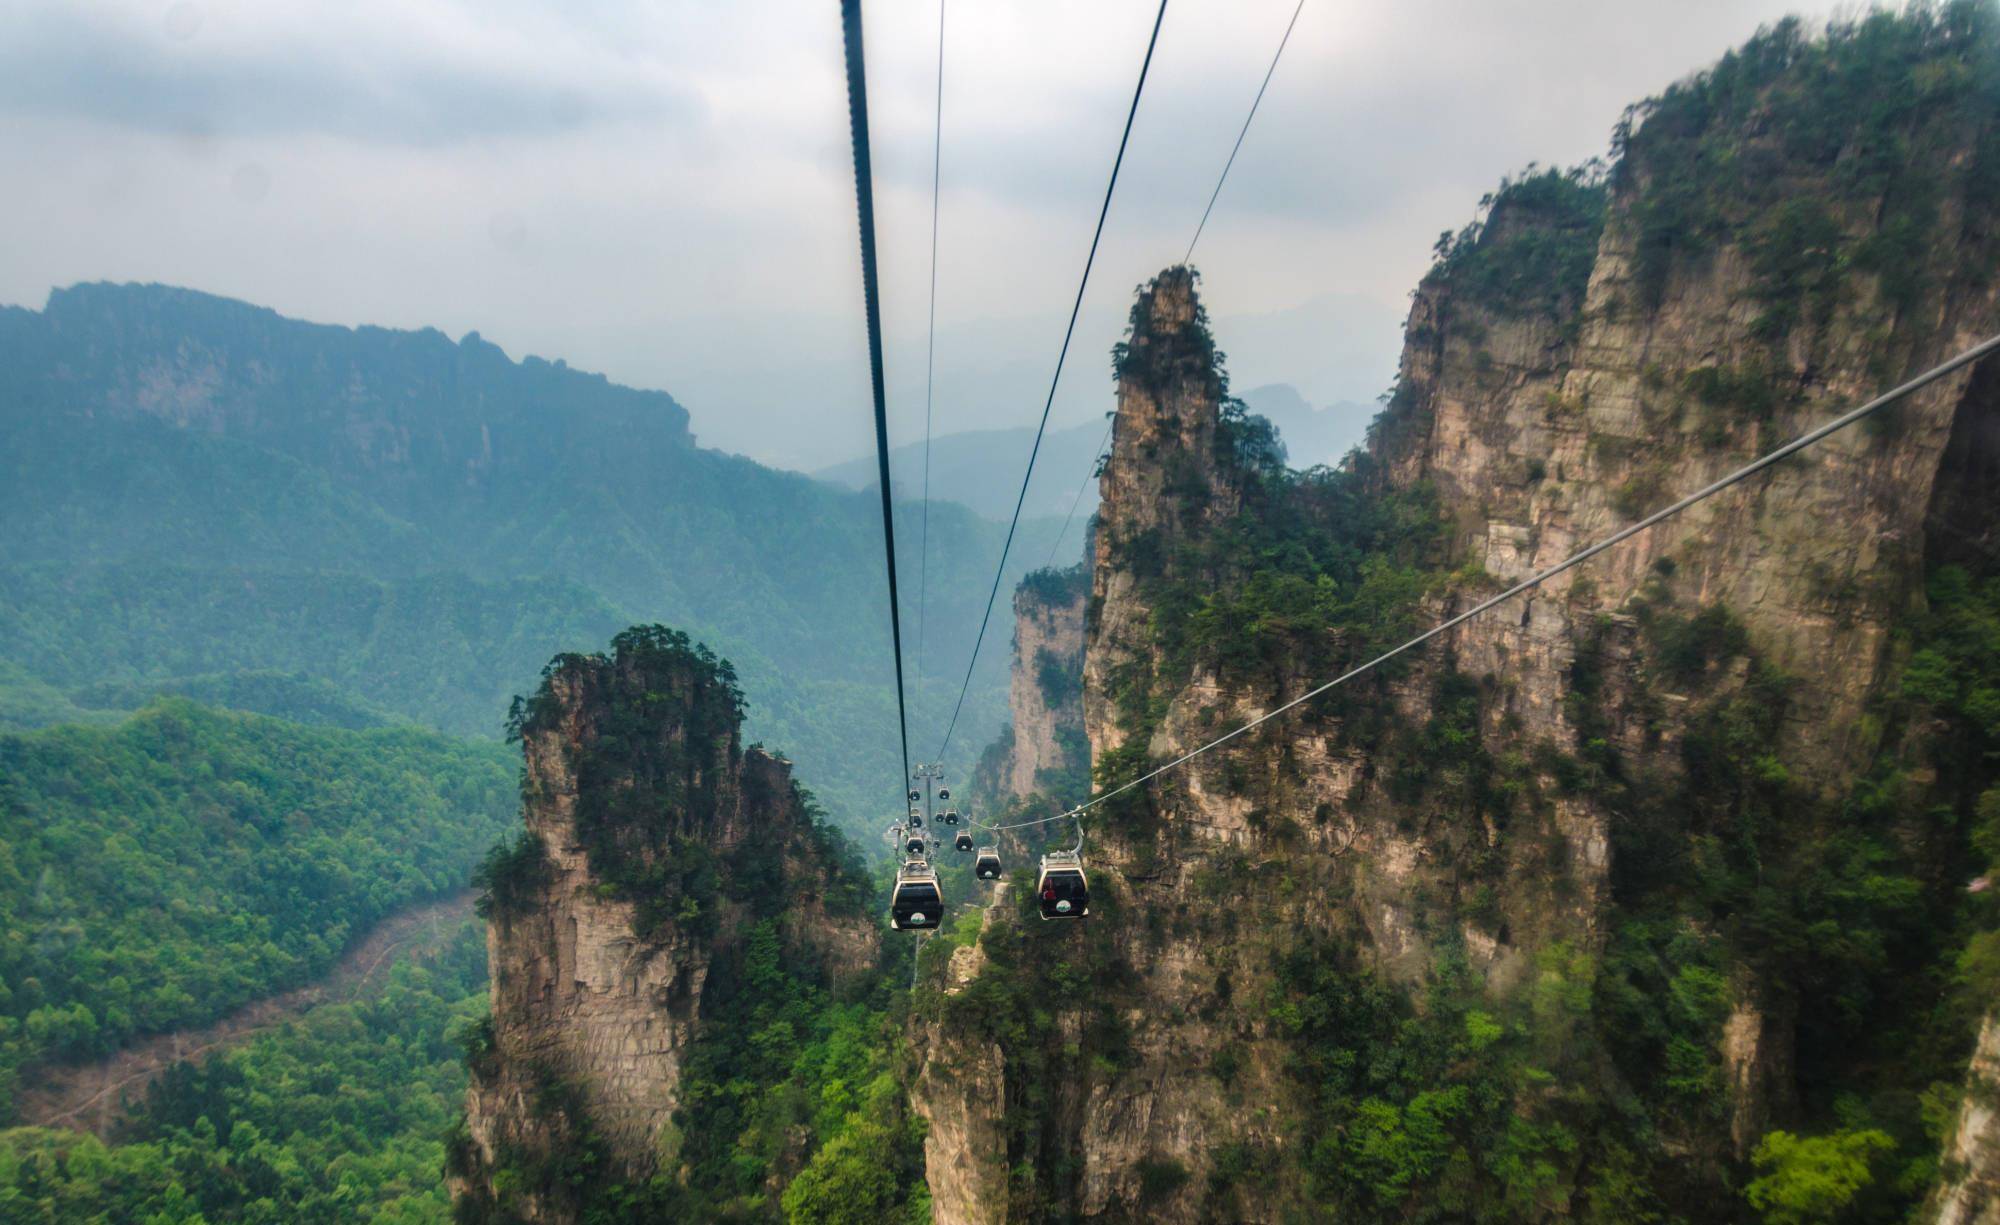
(864, 196)
(1202, 225)
(930, 360)
(1748, 470)
(1069, 332)
(1255, 103)
(1078, 499)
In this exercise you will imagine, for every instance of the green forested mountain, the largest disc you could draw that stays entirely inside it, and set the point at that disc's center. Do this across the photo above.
(441, 649)
(338, 1116)
(159, 873)
(195, 488)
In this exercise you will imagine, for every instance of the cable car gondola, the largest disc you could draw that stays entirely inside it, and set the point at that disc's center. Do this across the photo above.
(915, 796)
(915, 845)
(951, 816)
(917, 903)
(987, 866)
(916, 819)
(964, 842)
(943, 793)
(1062, 891)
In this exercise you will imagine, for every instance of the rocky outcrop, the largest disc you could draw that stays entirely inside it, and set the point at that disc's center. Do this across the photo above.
(1045, 695)
(1471, 826)
(960, 1092)
(651, 836)
(1545, 429)
(1195, 864)
(1162, 482)
(1969, 1192)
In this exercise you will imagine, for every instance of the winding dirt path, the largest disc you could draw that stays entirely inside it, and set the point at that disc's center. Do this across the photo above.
(92, 1096)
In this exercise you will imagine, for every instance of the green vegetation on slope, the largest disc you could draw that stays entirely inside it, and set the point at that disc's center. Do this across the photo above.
(1844, 918)
(789, 1080)
(1317, 571)
(1533, 247)
(421, 524)
(1314, 569)
(159, 873)
(666, 730)
(1049, 998)
(444, 650)
(339, 1116)
(791, 1110)
(1744, 895)
(1724, 156)
(788, 1075)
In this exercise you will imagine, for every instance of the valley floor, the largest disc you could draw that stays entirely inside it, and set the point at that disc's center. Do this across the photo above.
(92, 1096)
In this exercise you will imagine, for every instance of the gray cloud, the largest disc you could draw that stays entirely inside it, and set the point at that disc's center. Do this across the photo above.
(660, 189)
(189, 73)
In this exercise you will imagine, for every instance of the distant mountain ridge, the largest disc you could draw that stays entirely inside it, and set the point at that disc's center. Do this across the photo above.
(981, 469)
(348, 399)
(194, 486)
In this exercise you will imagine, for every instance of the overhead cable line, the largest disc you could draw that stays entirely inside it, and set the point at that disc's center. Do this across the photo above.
(1748, 470)
(930, 359)
(1224, 177)
(1078, 498)
(864, 196)
(1212, 196)
(1000, 570)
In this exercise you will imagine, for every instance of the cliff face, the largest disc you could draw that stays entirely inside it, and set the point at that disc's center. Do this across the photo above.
(1045, 696)
(960, 1091)
(652, 839)
(1969, 1193)
(1578, 905)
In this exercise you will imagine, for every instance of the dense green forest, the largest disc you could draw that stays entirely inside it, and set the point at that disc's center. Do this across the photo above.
(441, 650)
(339, 1116)
(156, 874)
(197, 488)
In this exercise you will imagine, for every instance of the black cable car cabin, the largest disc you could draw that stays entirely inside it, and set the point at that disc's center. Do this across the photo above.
(916, 819)
(1062, 892)
(917, 903)
(915, 796)
(943, 793)
(915, 846)
(951, 816)
(987, 866)
(964, 842)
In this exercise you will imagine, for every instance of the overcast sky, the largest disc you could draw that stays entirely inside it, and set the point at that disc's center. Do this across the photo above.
(662, 191)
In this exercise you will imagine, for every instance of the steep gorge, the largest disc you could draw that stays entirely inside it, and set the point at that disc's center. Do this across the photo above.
(1659, 870)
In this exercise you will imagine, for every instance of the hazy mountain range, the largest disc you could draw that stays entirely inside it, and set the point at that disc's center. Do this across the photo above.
(201, 494)
(981, 469)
